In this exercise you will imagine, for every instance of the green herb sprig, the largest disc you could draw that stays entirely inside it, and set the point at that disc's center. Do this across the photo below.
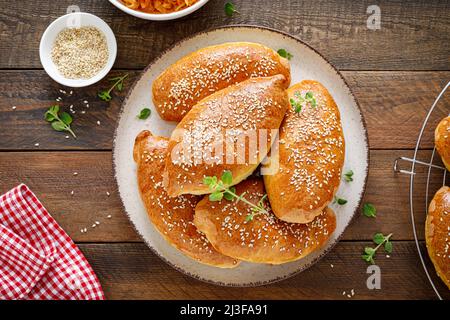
(59, 122)
(348, 176)
(105, 95)
(144, 114)
(300, 101)
(381, 240)
(285, 54)
(369, 210)
(221, 189)
(230, 9)
(339, 201)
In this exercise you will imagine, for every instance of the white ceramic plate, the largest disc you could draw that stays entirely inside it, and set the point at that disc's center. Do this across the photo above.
(305, 64)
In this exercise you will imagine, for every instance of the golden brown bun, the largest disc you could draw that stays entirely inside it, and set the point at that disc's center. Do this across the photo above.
(437, 233)
(442, 140)
(211, 69)
(265, 239)
(254, 104)
(172, 217)
(311, 155)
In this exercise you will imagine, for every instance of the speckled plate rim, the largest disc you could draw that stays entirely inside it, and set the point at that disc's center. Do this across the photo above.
(331, 245)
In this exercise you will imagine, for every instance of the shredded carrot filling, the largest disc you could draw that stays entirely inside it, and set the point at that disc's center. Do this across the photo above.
(158, 6)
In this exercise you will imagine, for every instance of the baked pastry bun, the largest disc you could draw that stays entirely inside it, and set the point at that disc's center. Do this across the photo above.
(311, 155)
(172, 217)
(442, 140)
(229, 130)
(265, 238)
(437, 233)
(211, 69)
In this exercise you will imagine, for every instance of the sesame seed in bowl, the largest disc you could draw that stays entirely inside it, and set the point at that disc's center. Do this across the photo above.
(78, 49)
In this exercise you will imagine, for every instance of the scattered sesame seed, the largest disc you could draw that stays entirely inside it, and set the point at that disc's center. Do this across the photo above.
(14, 107)
(75, 173)
(108, 216)
(108, 194)
(71, 193)
(36, 144)
(98, 123)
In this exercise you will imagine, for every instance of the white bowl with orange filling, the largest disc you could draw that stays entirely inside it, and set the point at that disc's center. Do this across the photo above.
(158, 10)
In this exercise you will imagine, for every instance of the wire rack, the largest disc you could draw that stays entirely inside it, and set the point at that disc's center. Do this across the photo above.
(426, 167)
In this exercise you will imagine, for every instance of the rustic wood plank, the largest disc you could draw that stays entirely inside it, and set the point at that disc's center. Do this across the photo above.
(132, 271)
(50, 176)
(413, 36)
(393, 103)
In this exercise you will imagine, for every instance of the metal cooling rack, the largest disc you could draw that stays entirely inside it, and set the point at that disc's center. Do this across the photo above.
(438, 170)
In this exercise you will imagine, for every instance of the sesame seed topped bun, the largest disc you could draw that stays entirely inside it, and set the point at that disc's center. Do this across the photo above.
(264, 238)
(211, 69)
(252, 107)
(172, 217)
(437, 233)
(311, 155)
(442, 140)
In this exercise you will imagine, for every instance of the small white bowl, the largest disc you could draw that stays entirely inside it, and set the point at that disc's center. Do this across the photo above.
(159, 16)
(48, 39)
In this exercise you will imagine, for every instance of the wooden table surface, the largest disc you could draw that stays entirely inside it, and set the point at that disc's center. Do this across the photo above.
(395, 73)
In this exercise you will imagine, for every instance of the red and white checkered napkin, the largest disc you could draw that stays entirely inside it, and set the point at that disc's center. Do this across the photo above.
(38, 260)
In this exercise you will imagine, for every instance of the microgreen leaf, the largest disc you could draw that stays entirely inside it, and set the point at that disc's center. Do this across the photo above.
(227, 177)
(369, 210)
(66, 118)
(221, 189)
(229, 193)
(216, 196)
(340, 201)
(378, 238)
(228, 196)
(368, 258)
(209, 180)
(249, 218)
(58, 125)
(49, 116)
(285, 54)
(348, 176)
(388, 247)
(297, 104)
(230, 9)
(144, 114)
(105, 95)
(59, 122)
